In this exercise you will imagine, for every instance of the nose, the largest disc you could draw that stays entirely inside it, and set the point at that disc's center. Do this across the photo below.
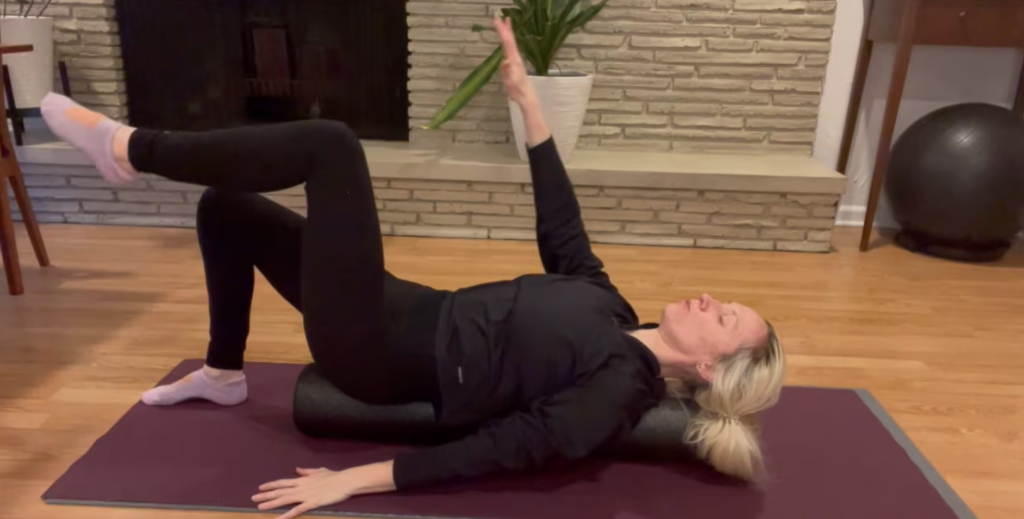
(706, 302)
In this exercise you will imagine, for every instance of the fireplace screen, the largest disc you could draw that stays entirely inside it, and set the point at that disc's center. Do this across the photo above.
(205, 64)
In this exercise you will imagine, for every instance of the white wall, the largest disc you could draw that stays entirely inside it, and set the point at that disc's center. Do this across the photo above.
(938, 77)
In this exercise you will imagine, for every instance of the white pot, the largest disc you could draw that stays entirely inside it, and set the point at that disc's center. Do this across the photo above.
(563, 99)
(31, 72)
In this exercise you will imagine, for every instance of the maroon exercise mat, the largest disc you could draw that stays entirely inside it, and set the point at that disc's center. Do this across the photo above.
(833, 454)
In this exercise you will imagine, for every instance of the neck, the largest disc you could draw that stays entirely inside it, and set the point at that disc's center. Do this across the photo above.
(672, 362)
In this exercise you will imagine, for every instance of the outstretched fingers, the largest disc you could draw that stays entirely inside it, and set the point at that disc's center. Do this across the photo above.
(508, 38)
(281, 483)
(297, 511)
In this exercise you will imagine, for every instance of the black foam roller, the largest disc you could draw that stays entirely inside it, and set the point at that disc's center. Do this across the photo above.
(321, 410)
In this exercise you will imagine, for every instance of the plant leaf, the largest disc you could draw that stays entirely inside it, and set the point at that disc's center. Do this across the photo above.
(479, 28)
(524, 12)
(525, 37)
(529, 48)
(588, 14)
(560, 31)
(579, 16)
(468, 89)
(544, 18)
(541, 28)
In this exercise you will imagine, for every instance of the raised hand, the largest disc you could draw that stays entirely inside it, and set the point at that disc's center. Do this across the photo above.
(513, 70)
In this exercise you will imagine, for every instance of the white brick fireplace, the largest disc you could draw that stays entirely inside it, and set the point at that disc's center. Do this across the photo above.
(674, 78)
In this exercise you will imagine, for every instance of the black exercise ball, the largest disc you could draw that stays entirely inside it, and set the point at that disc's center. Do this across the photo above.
(956, 182)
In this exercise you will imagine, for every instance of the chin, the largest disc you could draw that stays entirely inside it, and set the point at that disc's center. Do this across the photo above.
(675, 311)
(667, 313)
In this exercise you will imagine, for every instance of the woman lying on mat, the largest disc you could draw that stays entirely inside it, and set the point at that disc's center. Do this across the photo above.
(550, 366)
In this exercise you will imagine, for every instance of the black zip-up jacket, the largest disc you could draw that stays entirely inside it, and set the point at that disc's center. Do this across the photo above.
(543, 362)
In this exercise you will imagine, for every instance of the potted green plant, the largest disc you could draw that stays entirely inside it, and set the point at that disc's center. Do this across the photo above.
(541, 28)
(31, 72)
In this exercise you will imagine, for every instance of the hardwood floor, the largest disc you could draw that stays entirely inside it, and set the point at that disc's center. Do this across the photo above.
(939, 343)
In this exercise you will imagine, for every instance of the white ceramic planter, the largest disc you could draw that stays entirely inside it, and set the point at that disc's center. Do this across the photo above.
(564, 100)
(31, 72)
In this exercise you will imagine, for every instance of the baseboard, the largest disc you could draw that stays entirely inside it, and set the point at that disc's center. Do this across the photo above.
(853, 216)
(850, 215)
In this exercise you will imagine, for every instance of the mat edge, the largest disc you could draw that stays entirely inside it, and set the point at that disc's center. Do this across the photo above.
(950, 496)
(230, 509)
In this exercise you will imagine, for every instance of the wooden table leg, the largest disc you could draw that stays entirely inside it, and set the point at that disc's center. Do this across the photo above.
(892, 108)
(11, 169)
(17, 121)
(853, 111)
(8, 244)
(1018, 102)
(28, 216)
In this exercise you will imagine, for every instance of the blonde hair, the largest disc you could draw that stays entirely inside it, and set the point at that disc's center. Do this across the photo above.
(725, 433)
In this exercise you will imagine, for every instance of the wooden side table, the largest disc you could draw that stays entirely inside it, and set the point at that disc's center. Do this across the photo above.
(11, 171)
(972, 23)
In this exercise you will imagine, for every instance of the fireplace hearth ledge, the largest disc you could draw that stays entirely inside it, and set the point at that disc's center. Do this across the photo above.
(599, 168)
(751, 202)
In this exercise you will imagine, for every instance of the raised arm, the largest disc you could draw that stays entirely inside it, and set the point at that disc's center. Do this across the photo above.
(561, 238)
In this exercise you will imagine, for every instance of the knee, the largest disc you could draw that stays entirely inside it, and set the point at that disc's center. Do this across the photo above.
(328, 134)
(211, 203)
(214, 209)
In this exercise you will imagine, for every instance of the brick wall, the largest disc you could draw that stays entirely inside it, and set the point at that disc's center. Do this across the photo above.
(671, 75)
(86, 38)
(754, 221)
(684, 75)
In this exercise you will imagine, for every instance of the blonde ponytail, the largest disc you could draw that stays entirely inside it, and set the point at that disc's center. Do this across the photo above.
(724, 433)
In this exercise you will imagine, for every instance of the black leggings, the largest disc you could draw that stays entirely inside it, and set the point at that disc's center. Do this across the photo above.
(370, 333)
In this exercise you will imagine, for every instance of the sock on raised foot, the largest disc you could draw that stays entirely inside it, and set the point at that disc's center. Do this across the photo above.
(88, 131)
(198, 385)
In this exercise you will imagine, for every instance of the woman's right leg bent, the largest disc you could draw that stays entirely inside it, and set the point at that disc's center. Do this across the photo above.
(342, 272)
(342, 257)
(238, 234)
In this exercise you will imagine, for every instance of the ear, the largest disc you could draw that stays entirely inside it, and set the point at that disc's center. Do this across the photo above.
(706, 370)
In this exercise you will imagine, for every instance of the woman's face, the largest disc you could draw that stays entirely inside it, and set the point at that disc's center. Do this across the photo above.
(703, 330)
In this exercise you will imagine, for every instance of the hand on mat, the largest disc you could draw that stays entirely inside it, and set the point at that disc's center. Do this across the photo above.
(315, 488)
(513, 71)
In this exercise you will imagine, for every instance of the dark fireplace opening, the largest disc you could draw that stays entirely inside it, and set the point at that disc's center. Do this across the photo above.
(207, 64)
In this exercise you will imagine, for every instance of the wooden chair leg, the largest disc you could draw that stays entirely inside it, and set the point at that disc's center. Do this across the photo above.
(65, 84)
(12, 109)
(892, 108)
(856, 96)
(8, 245)
(1018, 101)
(27, 214)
